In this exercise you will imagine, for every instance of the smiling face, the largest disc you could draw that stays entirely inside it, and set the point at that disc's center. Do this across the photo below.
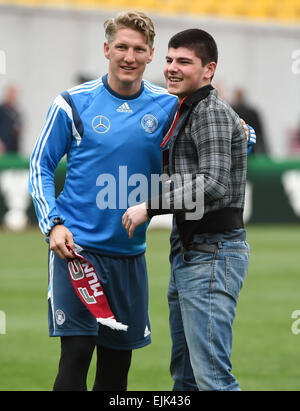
(128, 55)
(184, 72)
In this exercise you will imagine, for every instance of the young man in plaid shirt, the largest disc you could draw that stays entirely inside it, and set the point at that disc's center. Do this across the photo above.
(209, 252)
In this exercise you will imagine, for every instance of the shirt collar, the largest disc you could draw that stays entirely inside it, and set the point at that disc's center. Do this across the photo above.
(198, 95)
(120, 96)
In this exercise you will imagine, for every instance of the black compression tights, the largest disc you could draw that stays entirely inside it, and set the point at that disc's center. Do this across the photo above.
(76, 354)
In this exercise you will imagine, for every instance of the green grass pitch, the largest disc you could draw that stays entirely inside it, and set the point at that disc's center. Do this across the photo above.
(265, 350)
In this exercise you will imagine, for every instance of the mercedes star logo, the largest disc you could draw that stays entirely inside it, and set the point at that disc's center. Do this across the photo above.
(101, 124)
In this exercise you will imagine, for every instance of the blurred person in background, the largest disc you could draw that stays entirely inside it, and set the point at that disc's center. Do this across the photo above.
(251, 116)
(13, 181)
(10, 122)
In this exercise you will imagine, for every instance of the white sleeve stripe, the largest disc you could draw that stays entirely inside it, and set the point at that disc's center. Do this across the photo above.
(35, 171)
(38, 195)
(61, 102)
(157, 89)
(42, 197)
(85, 85)
(82, 90)
(154, 90)
(36, 149)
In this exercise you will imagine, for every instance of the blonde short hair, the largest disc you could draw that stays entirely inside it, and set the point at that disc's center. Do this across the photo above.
(135, 20)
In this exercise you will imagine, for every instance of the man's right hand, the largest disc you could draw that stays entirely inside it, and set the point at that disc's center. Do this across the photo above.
(60, 237)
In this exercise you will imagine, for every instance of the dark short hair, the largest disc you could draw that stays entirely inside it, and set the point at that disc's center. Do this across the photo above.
(201, 42)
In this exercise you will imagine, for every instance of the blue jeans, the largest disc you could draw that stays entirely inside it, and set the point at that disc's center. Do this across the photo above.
(203, 294)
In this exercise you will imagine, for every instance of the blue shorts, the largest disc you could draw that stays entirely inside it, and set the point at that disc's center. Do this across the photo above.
(125, 284)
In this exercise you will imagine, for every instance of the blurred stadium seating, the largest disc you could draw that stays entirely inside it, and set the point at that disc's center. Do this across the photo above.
(255, 9)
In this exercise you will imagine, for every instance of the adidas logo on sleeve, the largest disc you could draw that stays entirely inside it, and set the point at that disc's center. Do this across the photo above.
(124, 108)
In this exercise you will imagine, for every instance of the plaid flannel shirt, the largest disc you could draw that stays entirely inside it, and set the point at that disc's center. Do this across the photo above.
(208, 140)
